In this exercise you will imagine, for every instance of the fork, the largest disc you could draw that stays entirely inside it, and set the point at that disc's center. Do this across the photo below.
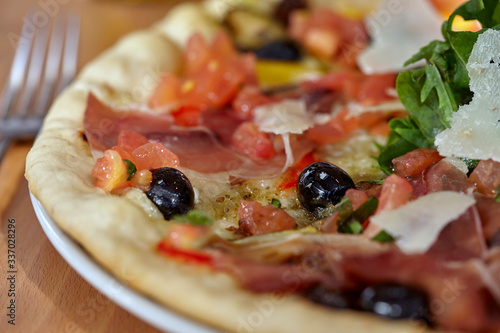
(44, 63)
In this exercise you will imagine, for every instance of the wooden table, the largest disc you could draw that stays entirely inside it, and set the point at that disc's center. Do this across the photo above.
(50, 295)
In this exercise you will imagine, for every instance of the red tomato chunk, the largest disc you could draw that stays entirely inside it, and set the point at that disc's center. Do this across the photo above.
(256, 219)
(249, 140)
(414, 162)
(486, 176)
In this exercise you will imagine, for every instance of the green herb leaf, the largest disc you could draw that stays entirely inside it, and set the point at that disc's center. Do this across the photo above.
(432, 94)
(351, 227)
(365, 210)
(276, 203)
(350, 221)
(471, 164)
(131, 169)
(487, 12)
(377, 181)
(344, 208)
(194, 217)
(384, 237)
(497, 197)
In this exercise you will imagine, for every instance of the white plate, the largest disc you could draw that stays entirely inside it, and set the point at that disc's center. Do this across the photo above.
(134, 302)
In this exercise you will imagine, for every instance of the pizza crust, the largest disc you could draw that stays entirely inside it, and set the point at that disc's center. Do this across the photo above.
(122, 236)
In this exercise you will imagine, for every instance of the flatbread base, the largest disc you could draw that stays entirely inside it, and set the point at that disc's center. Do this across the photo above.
(122, 236)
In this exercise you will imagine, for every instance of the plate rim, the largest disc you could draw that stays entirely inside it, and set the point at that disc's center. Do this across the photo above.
(98, 277)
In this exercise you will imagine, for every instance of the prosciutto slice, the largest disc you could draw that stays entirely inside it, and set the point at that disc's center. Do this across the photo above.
(461, 239)
(462, 294)
(205, 148)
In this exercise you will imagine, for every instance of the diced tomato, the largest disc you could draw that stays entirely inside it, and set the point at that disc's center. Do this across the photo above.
(328, 35)
(110, 171)
(197, 54)
(214, 74)
(414, 162)
(370, 89)
(128, 141)
(444, 176)
(396, 192)
(186, 236)
(183, 242)
(322, 42)
(257, 219)
(364, 89)
(190, 256)
(292, 175)
(167, 93)
(337, 129)
(357, 197)
(249, 140)
(188, 115)
(248, 99)
(486, 176)
(330, 226)
(154, 155)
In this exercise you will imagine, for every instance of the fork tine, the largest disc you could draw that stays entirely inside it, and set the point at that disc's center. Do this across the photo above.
(54, 56)
(17, 73)
(37, 59)
(32, 78)
(70, 55)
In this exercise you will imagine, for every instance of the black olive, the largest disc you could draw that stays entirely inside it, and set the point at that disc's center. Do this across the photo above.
(394, 301)
(332, 298)
(171, 191)
(321, 184)
(279, 50)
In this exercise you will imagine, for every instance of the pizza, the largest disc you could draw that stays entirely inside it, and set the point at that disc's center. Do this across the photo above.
(276, 165)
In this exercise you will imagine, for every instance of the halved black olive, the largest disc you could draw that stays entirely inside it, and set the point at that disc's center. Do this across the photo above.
(279, 50)
(171, 191)
(395, 301)
(322, 184)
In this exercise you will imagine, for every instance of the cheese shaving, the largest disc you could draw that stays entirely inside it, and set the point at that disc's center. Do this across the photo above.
(475, 128)
(356, 109)
(416, 225)
(288, 116)
(398, 30)
(284, 118)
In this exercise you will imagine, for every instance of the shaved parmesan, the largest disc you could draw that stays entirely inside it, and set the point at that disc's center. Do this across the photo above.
(288, 116)
(398, 30)
(475, 128)
(417, 224)
(356, 109)
(284, 118)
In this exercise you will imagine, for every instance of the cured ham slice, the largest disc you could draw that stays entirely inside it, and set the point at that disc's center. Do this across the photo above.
(205, 148)
(461, 239)
(459, 299)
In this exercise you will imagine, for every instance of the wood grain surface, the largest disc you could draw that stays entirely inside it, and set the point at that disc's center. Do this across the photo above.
(49, 295)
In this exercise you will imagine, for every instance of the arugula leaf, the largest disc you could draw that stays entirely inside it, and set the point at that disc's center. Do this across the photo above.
(487, 12)
(433, 93)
